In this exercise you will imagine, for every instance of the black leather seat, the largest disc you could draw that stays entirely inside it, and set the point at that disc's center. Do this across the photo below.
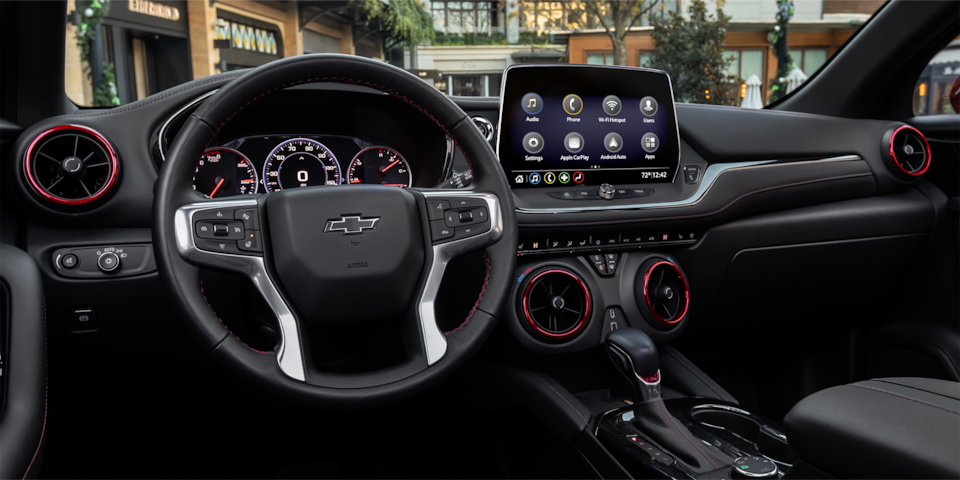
(881, 428)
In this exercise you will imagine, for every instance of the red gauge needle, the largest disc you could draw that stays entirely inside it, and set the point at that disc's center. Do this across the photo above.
(388, 166)
(355, 181)
(392, 184)
(214, 192)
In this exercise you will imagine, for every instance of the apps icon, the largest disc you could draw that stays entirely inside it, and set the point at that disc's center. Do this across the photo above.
(533, 142)
(612, 105)
(573, 142)
(572, 104)
(650, 142)
(613, 142)
(564, 177)
(549, 177)
(532, 103)
(534, 178)
(648, 105)
(577, 177)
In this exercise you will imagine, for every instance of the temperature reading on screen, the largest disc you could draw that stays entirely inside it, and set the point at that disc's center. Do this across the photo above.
(654, 175)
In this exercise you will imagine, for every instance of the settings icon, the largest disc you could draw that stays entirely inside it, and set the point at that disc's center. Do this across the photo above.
(533, 142)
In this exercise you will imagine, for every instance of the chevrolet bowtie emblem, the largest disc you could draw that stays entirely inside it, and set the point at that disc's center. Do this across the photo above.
(351, 225)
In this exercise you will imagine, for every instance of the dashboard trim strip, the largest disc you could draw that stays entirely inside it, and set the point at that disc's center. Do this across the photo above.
(710, 177)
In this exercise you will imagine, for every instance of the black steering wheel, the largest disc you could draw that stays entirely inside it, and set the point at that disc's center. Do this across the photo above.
(318, 246)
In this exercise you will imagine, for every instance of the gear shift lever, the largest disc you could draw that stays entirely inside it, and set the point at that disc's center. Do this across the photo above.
(635, 355)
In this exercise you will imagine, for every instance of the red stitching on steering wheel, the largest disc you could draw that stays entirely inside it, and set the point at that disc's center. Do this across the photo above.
(486, 281)
(225, 325)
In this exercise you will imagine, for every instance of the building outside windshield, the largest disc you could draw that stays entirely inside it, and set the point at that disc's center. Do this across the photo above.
(120, 51)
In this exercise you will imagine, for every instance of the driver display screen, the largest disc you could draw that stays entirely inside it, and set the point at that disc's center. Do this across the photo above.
(587, 125)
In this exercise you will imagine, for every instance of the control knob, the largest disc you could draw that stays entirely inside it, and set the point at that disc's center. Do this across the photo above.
(607, 191)
(752, 466)
(108, 262)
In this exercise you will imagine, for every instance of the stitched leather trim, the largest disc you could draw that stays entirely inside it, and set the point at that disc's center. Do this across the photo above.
(486, 281)
(564, 399)
(887, 380)
(907, 398)
(225, 325)
(46, 395)
(663, 417)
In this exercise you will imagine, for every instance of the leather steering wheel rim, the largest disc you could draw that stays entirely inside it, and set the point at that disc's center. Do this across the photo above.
(182, 278)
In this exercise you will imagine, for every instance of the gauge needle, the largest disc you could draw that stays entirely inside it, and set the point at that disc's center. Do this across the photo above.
(388, 166)
(214, 192)
(392, 184)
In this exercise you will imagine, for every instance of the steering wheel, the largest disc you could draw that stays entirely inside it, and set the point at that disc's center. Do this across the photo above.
(329, 255)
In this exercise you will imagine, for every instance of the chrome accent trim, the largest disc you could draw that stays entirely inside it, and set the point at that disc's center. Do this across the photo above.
(653, 389)
(486, 124)
(503, 85)
(447, 162)
(289, 355)
(710, 177)
(163, 129)
(334, 226)
(434, 342)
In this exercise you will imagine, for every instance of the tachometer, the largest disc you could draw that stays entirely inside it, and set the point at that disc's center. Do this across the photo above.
(300, 162)
(223, 172)
(381, 166)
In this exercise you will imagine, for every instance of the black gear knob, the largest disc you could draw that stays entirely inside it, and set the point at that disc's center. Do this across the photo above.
(635, 355)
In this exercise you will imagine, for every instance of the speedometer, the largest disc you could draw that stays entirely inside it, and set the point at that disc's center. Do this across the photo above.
(300, 162)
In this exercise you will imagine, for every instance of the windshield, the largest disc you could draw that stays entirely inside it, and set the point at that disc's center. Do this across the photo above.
(747, 53)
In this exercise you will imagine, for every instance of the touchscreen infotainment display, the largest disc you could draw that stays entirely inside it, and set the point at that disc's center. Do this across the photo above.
(569, 125)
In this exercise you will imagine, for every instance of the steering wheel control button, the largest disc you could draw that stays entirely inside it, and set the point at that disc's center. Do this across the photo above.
(691, 173)
(464, 232)
(250, 219)
(108, 261)
(439, 231)
(650, 143)
(533, 142)
(69, 261)
(435, 208)
(251, 243)
(573, 142)
(226, 230)
(648, 105)
(612, 105)
(222, 246)
(83, 320)
(751, 466)
(466, 217)
(215, 214)
(532, 103)
(572, 104)
(607, 191)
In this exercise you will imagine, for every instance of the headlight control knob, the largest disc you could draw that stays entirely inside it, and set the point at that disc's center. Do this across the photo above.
(108, 262)
(607, 191)
(751, 466)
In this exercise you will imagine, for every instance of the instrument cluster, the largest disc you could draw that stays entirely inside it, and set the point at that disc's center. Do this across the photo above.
(269, 163)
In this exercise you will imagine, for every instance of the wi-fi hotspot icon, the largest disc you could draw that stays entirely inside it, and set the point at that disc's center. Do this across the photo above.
(611, 104)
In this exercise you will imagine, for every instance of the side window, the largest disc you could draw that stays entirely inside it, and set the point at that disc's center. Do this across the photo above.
(599, 58)
(938, 88)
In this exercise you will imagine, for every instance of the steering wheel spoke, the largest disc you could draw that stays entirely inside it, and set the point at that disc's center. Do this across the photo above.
(460, 222)
(199, 229)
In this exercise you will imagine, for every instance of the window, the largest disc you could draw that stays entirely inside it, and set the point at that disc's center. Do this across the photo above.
(809, 59)
(938, 88)
(463, 17)
(599, 58)
(645, 57)
(745, 63)
(482, 85)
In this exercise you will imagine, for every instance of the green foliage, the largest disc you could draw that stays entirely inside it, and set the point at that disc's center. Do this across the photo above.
(404, 19)
(496, 38)
(105, 94)
(691, 51)
(778, 84)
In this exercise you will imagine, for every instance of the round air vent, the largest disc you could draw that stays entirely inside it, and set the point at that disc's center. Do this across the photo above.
(910, 150)
(664, 292)
(71, 165)
(556, 304)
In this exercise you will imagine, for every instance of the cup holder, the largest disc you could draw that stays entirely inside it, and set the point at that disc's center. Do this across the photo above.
(748, 427)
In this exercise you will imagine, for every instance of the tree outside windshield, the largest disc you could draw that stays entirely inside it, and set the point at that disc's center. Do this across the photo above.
(744, 53)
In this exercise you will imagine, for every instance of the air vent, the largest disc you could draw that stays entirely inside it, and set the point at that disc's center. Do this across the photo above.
(664, 291)
(71, 165)
(910, 150)
(485, 127)
(556, 304)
